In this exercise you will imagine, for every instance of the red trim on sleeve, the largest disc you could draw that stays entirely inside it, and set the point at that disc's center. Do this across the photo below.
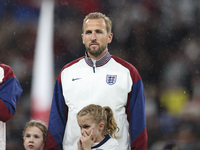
(5, 114)
(140, 142)
(133, 71)
(50, 143)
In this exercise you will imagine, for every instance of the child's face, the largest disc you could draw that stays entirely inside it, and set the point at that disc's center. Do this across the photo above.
(87, 125)
(33, 139)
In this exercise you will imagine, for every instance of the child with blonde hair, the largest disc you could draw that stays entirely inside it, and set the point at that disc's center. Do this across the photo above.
(34, 135)
(98, 128)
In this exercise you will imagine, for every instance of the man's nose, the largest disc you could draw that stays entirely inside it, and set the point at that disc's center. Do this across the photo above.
(93, 36)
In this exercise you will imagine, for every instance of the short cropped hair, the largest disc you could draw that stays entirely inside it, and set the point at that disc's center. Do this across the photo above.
(98, 15)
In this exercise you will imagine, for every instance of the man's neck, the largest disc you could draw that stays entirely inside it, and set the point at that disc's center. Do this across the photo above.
(98, 57)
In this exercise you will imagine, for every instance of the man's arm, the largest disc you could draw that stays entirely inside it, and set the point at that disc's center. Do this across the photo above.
(10, 92)
(135, 108)
(136, 117)
(57, 119)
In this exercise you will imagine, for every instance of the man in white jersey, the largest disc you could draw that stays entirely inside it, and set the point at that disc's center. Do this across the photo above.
(98, 78)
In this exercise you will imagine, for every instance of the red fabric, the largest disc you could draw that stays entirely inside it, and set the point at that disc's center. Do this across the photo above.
(5, 114)
(140, 142)
(85, 6)
(8, 72)
(50, 144)
(135, 76)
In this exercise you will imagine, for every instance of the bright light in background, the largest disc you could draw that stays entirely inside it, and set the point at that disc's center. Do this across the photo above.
(43, 72)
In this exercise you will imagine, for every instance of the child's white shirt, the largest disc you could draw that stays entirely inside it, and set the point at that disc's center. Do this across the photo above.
(108, 143)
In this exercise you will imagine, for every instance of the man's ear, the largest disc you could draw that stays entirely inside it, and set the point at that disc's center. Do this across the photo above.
(82, 39)
(110, 36)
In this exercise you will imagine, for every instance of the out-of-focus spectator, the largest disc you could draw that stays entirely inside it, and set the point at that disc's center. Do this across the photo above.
(186, 137)
(170, 146)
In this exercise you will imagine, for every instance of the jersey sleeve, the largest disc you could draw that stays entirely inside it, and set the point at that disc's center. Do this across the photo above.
(57, 119)
(136, 113)
(135, 108)
(10, 92)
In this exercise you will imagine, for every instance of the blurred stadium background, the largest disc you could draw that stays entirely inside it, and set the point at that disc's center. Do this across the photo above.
(160, 38)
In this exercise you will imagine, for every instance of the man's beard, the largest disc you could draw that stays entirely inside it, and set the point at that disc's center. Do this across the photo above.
(97, 52)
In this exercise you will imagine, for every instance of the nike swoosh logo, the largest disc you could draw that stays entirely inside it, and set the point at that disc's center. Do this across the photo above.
(75, 79)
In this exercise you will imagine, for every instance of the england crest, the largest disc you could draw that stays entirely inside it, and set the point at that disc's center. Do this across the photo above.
(111, 79)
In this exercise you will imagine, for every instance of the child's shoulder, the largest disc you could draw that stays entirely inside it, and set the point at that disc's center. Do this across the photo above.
(113, 141)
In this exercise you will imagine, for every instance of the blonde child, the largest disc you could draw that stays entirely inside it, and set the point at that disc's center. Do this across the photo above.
(98, 128)
(34, 135)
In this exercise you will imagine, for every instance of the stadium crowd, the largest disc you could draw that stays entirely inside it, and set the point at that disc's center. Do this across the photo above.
(160, 38)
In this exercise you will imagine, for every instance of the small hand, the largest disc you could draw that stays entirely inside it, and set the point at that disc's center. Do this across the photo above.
(87, 140)
(79, 144)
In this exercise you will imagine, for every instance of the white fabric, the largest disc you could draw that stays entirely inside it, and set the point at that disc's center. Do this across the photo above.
(2, 135)
(1, 75)
(111, 144)
(80, 76)
(2, 124)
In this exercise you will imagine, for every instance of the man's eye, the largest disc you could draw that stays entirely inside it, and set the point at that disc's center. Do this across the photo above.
(88, 32)
(98, 31)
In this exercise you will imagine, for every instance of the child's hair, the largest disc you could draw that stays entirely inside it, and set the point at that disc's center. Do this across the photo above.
(101, 114)
(38, 124)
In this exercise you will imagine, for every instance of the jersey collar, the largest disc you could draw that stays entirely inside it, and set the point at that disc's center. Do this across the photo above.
(102, 61)
(107, 137)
